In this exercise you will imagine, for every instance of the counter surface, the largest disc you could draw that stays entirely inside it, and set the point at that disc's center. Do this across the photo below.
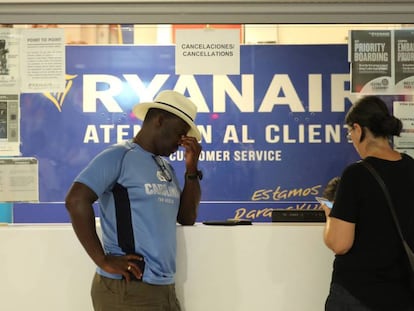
(262, 267)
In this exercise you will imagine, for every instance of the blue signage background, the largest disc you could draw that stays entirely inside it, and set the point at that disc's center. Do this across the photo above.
(273, 135)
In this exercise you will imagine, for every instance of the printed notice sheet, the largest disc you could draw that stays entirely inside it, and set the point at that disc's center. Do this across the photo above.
(9, 125)
(9, 60)
(370, 57)
(405, 112)
(404, 61)
(43, 60)
(19, 181)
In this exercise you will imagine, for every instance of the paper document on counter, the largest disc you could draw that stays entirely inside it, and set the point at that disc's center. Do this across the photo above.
(19, 181)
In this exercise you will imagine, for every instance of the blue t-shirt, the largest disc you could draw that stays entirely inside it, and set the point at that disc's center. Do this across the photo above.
(153, 200)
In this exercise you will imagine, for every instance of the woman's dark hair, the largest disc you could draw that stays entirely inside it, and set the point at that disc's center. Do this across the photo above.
(330, 190)
(371, 112)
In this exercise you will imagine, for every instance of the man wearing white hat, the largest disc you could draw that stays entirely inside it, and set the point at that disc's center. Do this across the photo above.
(140, 204)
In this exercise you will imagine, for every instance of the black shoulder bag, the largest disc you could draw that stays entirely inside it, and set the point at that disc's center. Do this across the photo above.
(407, 248)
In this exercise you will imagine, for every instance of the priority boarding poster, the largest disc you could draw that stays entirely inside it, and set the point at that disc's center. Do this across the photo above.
(272, 136)
(382, 61)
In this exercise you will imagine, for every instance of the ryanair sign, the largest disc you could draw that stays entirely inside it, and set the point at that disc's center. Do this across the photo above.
(277, 125)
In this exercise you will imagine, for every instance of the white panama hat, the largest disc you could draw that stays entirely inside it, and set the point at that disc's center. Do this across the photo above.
(175, 103)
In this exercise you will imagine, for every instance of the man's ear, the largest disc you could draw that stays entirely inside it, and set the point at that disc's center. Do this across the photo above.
(159, 120)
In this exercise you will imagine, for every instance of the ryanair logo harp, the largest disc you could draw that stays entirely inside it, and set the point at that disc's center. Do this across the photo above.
(58, 98)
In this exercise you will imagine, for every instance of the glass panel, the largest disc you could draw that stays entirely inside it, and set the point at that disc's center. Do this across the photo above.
(273, 133)
(250, 33)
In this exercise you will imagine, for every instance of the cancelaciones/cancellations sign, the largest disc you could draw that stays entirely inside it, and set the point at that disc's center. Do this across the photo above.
(207, 51)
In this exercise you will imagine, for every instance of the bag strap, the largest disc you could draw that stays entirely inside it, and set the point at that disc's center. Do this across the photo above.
(386, 193)
(380, 181)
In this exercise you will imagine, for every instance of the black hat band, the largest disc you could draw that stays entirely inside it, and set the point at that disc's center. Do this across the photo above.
(176, 109)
